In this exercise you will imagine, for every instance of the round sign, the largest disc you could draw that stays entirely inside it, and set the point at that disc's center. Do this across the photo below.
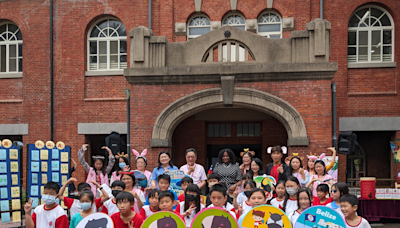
(96, 220)
(60, 145)
(39, 144)
(214, 217)
(163, 219)
(319, 216)
(50, 144)
(141, 179)
(265, 216)
(7, 143)
(266, 183)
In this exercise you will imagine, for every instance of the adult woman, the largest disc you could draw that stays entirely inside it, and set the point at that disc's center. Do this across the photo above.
(164, 166)
(277, 169)
(321, 176)
(141, 164)
(228, 170)
(247, 157)
(256, 168)
(129, 180)
(194, 170)
(296, 169)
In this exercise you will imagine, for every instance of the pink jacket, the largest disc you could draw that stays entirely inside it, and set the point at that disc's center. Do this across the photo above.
(92, 176)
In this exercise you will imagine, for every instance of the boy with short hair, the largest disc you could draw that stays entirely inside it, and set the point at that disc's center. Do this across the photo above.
(167, 202)
(218, 198)
(349, 206)
(163, 182)
(213, 179)
(184, 183)
(74, 205)
(49, 214)
(126, 217)
(110, 206)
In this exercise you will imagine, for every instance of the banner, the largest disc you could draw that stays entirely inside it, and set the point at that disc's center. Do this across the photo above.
(264, 216)
(214, 217)
(176, 178)
(334, 171)
(163, 219)
(320, 216)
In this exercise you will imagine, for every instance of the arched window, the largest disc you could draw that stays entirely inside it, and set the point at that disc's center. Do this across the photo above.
(10, 48)
(236, 21)
(107, 45)
(198, 26)
(370, 35)
(270, 25)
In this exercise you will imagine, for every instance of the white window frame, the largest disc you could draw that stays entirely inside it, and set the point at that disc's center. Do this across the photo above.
(107, 39)
(7, 43)
(269, 34)
(189, 37)
(369, 30)
(234, 25)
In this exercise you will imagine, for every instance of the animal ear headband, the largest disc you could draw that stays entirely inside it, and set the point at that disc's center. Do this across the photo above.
(246, 150)
(314, 157)
(144, 152)
(284, 149)
(120, 155)
(98, 157)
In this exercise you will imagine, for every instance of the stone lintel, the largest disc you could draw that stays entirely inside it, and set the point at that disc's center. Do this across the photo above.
(160, 143)
(227, 85)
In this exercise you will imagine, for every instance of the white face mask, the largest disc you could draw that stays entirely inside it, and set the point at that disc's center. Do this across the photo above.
(48, 199)
(291, 191)
(212, 184)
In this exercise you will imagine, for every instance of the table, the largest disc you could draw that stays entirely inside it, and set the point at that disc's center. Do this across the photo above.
(373, 210)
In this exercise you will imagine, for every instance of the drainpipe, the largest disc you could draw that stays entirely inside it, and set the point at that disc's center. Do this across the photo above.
(150, 14)
(333, 87)
(321, 8)
(51, 74)
(128, 123)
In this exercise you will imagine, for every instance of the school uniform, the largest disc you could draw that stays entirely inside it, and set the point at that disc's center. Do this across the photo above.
(137, 220)
(74, 205)
(277, 203)
(363, 224)
(229, 207)
(241, 198)
(110, 207)
(291, 206)
(246, 207)
(50, 218)
(294, 216)
(188, 219)
(146, 211)
(335, 207)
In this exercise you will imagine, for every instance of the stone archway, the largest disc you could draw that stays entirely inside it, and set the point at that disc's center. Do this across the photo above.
(193, 103)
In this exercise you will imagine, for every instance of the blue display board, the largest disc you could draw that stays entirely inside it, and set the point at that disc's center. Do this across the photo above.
(319, 216)
(44, 165)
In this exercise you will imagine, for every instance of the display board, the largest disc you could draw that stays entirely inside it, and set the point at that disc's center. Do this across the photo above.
(214, 217)
(319, 216)
(47, 162)
(264, 216)
(10, 184)
(163, 219)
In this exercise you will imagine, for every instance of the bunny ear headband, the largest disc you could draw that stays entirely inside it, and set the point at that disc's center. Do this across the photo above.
(144, 152)
(120, 155)
(314, 157)
(284, 149)
(246, 150)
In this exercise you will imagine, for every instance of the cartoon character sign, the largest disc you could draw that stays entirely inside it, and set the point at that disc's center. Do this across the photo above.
(163, 219)
(320, 216)
(264, 216)
(265, 182)
(96, 220)
(214, 218)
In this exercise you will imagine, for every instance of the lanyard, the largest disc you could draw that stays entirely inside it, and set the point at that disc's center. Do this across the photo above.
(191, 174)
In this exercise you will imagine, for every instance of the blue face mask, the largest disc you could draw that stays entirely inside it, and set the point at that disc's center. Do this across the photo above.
(86, 206)
(122, 165)
(48, 199)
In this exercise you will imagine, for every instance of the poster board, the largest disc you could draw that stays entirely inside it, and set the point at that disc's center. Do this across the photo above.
(47, 162)
(319, 216)
(214, 217)
(265, 216)
(10, 184)
(163, 219)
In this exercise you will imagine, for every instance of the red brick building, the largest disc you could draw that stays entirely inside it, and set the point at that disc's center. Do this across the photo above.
(280, 94)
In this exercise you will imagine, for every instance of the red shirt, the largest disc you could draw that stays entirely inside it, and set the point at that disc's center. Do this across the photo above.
(137, 220)
(61, 220)
(69, 201)
(181, 198)
(317, 202)
(274, 172)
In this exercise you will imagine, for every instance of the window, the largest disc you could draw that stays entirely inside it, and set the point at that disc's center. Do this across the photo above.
(248, 130)
(370, 36)
(219, 130)
(198, 26)
(270, 25)
(10, 48)
(107, 47)
(236, 21)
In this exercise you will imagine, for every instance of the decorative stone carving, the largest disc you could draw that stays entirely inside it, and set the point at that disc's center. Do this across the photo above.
(251, 25)
(180, 28)
(197, 4)
(269, 4)
(215, 25)
(233, 4)
(288, 23)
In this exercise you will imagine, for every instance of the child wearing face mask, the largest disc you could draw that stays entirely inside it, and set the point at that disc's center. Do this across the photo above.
(110, 206)
(304, 201)
(241, 198)
(148, 210)
(280, 190)
(49, 212)
(86, 199)
(290, 203)
(191, 206)
(123, 166)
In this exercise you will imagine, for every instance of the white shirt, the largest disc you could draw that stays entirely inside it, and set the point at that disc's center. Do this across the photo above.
(363, 224)
(198, 175)
(291, 206)
(277, 203)
(241, 198)
(293, 217)
(48, 218)
(188, 219)
(338, 210)
(246, 207)
(111, 207)
(229, 207)
(76, 207)
(147, 211)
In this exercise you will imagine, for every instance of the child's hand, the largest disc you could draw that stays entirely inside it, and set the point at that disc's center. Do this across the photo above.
(189, 211)
(72, 179)
(28, 207)
(131, 225)
(108, 150)
(126, 168)
(236, 192)
(95, 183)
(280, 169)
(85, 146)
(240, 209)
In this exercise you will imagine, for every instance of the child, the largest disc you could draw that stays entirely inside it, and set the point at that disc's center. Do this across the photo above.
(49, 212)
(126, 218)
(349, 206)
(123, 166)
(245, 177)
(256, 198)
(280, 190)
(167, 202)
(184, 183)
(321, 176)
(213, 179)
(322, 197)
(191, 205)
(74, 205)
(290, 203)
(86, 200)
(163, 184)
(218, 198)
(296, 169)
(98, 172)
(304, 201)
(241, 199)
(110, 206)
(338, 189)
(148, 210)
(129, 180)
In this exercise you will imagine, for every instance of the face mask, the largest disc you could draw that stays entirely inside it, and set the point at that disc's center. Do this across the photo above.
(122, 165)
(291, 191)
(190, 197)
(115, 192)
(48, 199)
(247, 193)
(211, 184)
(86, 206)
